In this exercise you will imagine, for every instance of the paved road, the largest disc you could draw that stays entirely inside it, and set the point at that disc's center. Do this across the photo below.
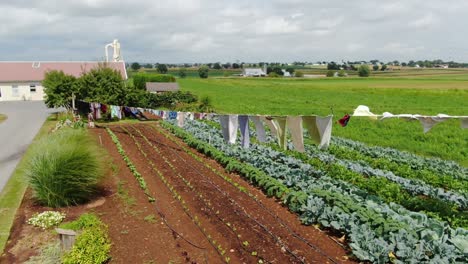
(25, 118)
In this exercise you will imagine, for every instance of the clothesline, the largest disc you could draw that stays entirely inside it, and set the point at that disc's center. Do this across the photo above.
(427, 121)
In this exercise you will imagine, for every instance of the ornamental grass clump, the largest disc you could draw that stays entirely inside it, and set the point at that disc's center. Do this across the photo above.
(65, 169)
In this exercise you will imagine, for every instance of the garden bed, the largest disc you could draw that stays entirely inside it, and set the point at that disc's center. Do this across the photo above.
(200, 214)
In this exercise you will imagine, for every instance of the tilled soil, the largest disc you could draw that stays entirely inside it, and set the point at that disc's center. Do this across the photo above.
(202, 214)
(246, 226)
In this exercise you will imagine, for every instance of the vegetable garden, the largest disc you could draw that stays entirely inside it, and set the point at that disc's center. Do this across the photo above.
(386, 205)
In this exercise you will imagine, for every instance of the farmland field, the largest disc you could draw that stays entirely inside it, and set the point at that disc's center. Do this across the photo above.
(398, 95)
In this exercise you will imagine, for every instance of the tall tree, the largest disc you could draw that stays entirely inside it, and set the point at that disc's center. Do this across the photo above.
(59, 88)
(162, 68)
(136, 66)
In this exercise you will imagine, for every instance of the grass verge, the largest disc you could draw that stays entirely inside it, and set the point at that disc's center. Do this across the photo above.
(12, 193)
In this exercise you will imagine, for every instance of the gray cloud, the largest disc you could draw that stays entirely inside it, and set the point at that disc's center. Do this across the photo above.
(208, 30)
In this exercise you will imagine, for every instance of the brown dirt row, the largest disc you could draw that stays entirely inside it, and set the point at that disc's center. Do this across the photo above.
(273, 236)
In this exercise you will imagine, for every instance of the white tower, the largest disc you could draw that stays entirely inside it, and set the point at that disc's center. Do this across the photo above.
(116, 47)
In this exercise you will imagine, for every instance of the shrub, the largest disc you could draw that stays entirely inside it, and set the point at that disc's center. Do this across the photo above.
(65, 168)
(330, 73)
(85, 221)
(364, 71)
(205, 105)
(92, 245)
(203, 72)
(299, 74)
(182, 73)
(49, 254)
(162, 68)
(384, 67)
(375, 67)
(273, 75)
(341, 73)
(46, 219)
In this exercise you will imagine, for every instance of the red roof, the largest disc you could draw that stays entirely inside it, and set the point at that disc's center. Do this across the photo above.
(34, 71)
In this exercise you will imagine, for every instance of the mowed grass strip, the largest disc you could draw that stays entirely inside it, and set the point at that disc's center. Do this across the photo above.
(319, 96)
(12, 193)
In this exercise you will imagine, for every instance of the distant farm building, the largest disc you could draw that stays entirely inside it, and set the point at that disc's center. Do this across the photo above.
(253, 72)
(162, 87)
(23, 80)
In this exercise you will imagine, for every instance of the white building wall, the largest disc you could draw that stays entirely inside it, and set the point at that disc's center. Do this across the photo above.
(21, 91)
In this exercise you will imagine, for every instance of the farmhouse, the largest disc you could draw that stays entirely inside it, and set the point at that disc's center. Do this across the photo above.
(22, 80)
(253, 72)
(161, 87)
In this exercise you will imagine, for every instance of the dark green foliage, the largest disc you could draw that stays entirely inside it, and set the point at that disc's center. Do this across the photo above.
(375, 67)
(384, 67)
(162, 68)
(217, 66)
(203, 72)
(58, 88)
(299, 74)
(341, 73)
(330, 73)
(290, 70)
(92, 245)
(104, 85)
(206, 105)
(65, 168)
(273, 75)
(182, 73)
(278, 70)
(140, 79)
(364, 71)
(85, 221)
(135, 66)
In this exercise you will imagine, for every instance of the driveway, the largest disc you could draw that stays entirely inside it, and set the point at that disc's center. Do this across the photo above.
(25, 118)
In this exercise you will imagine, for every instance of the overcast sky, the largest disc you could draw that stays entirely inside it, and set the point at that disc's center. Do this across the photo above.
(219, 30)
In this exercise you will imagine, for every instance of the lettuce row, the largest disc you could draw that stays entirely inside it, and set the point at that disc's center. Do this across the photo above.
(344, 207)
(443, 167)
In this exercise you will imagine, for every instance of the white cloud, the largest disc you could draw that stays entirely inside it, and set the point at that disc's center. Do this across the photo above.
(425, 21)
(203, 30)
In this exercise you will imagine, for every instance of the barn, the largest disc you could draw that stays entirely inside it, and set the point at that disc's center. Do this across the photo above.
(23, 80)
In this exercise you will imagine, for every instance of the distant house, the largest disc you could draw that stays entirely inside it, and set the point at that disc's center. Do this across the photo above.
(161, 87)
(286, 73)
(253, 72)
(23, 80)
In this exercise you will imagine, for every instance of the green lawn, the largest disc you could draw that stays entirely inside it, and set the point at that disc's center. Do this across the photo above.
(3, 118)
(437, 94)
(12, 193)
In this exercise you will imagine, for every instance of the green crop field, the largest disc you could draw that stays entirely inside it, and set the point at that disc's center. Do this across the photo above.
(411, 94)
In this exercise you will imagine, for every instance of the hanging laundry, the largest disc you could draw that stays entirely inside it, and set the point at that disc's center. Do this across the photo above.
(363, 110)
(172, 115)
(115, 111)
(103, 108)
(244, 129)
(229, 125)
(280, 127)
(97, 109)
(197, 116)
(180, 119)
(294, 124)
(259, 128)
(189, 115)
(429, 122)
(269, 122)
(319, 128)
(344, 121)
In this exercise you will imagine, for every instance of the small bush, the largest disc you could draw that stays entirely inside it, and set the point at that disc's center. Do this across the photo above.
(85, 221)
(341, 73)
(92, 245)
(206, 105)
(50, 254)
(203, 72)
(364, 71)
(182, 73)
(299, 74)
(273, 75)
(330, 73)
(65, 168)
(46, 219)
